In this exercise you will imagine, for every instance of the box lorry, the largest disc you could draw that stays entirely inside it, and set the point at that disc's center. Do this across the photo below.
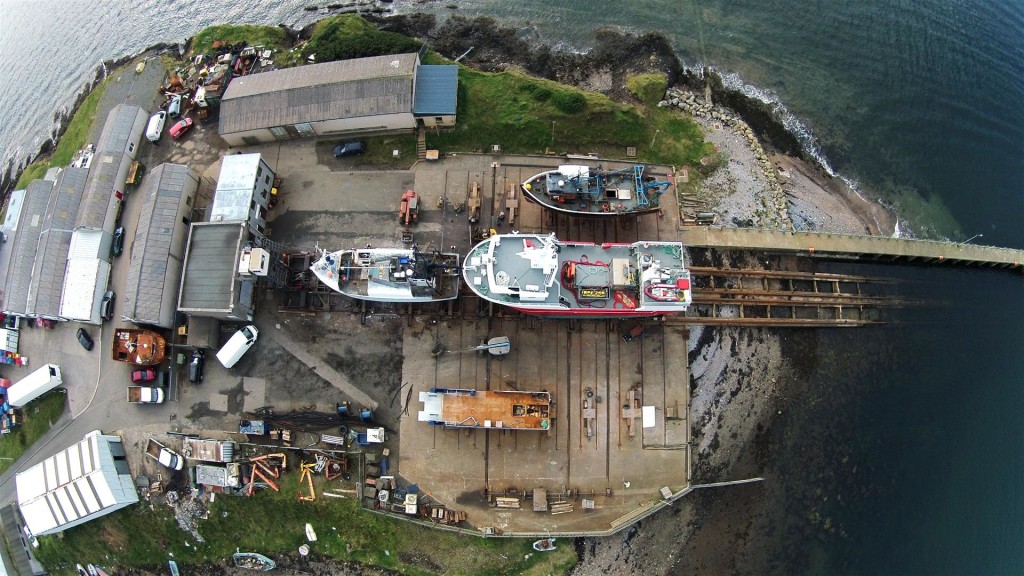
(164, 455)
(145, 395)
(34, 385)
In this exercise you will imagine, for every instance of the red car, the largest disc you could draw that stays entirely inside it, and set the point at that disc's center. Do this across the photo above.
(180, 128)
(146, 375)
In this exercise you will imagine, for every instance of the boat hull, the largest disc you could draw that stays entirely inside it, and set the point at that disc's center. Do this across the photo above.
(390, 275)
(600, 215)
(585, 192)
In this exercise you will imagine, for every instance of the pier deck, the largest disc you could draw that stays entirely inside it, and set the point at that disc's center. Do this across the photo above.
(878, 248)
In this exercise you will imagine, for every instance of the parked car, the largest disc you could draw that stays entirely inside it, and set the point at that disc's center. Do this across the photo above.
(350, 148)
(117, 246)
(144, 375)
(180, 128)
(174, 107)
(107, 305)
(84, 339)
(195, 366)
(237, 345)
(156, 126)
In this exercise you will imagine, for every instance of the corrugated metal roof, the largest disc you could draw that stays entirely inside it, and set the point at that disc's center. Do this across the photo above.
(353, 70)
(122, 121)
(154, 273)
(437, 90)
(211, 266)
(54, 241)
(26, 241)
(85, 281)
(117, 146)
(236, 185)
(74, 486)
(318, 92)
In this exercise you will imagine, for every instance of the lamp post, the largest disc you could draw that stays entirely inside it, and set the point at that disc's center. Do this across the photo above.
(972, 238)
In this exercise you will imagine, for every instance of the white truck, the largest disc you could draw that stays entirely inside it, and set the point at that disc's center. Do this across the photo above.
(34, 385)
(145, 395)
(164, 455)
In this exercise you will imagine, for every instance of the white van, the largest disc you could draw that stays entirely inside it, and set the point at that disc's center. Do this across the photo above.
(156, 126)
(239, 343)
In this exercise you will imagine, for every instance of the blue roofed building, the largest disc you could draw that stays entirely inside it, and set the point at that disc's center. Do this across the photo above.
(437, 90)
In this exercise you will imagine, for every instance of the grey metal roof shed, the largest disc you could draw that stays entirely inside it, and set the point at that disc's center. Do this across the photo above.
(51, 257)
(209, 282)
(117, 146)
(437, 90)
(317, 92)
(154, 273)
(26, 241)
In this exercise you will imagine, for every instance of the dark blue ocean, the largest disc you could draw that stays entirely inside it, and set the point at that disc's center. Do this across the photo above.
(914, 433)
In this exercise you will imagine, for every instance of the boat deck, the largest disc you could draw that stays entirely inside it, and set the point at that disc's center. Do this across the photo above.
(531, 271)
(483, 409)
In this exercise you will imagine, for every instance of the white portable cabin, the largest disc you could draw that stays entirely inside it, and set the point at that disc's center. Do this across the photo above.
(34, 385)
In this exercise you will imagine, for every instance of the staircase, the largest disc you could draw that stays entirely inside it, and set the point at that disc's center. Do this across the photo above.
(421, 143)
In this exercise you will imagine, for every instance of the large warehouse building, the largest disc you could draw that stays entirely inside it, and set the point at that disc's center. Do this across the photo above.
(86, 481)
(88, 264)
(151, 292)
(374, 95)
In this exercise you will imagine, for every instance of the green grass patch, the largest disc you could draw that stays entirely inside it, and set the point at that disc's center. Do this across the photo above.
(349, 36)
(380, 151)
(71, 141)
(648, 88)
(527, 115)
(39, 417)
(271, 37)
(272, 523)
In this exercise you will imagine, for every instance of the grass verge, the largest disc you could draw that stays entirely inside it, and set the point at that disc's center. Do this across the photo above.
(39, 417)
(272, 523)
(271, 37)
(71, 141)
(526, 115)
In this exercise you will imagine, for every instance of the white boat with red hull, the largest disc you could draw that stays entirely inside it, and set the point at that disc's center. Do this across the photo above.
(540, 275)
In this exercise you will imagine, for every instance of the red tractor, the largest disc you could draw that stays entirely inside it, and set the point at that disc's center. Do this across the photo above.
(409, 210)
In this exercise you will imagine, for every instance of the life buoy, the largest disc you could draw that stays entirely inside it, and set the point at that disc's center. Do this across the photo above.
(605, 207)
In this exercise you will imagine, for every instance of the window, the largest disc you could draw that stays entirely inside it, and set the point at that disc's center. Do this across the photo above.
(252, 140)
(259, 172)
(188, 200)
(131, 148)
(439, 119)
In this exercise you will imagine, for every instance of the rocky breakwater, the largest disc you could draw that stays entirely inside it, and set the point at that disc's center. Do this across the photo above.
(772, 209)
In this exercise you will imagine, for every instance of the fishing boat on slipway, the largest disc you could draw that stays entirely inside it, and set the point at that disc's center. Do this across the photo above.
(540, 275)
(390, 274)
(579, 190)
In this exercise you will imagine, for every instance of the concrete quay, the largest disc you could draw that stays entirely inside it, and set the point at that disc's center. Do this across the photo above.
(872, 248)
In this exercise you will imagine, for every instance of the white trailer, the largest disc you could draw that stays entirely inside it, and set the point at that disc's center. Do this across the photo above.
(34, 385)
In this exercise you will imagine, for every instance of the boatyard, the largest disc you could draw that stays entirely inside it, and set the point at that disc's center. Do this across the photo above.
(420, 334)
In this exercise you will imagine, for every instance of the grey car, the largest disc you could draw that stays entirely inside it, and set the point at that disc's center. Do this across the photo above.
(350, 148)
(107, 305)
